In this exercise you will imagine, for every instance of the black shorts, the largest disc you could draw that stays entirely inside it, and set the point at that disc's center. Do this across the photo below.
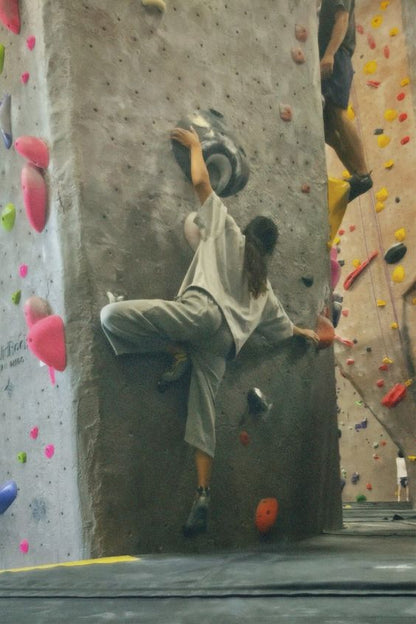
(403, 482)
(337, 87)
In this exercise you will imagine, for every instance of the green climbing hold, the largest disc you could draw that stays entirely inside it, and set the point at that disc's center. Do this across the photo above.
(2, 51)
(8, 217)
(22, 457)
(16, 297)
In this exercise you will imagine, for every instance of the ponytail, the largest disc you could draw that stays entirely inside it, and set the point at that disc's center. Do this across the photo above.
(261, 237)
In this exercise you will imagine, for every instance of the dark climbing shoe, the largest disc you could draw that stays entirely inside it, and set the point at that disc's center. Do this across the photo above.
(359, 185)
(198, 518)
(181, 363)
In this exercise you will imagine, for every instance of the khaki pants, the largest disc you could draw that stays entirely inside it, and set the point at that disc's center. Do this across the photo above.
(149, 325)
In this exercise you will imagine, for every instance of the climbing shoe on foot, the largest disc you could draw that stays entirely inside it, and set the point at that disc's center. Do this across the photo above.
(359, 185)
(198, 518)
(180, 365)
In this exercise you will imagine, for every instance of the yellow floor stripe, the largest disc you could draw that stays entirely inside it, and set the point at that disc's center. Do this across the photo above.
(70, 564)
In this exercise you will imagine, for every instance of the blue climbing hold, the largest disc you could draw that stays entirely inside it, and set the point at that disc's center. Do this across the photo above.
(5, 120)
(8, 492)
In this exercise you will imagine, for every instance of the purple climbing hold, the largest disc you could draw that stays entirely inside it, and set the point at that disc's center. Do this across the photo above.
(8, 492)
(5, 120)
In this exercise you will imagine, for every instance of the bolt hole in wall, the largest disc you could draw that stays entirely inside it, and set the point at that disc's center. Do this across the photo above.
(376, 317)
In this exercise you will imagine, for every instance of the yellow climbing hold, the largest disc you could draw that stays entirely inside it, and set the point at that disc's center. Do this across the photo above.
(383, 140)
(394, 31)
(400, 234)
(414, 301)
(350, 113)
(390, 114)
(389, 164)
(408, 382)
(356, 263)
(404, 82)
(382, 194)
(381, 303)
(387, 360)
(394, 325)
(398, 274)
(336, 240)
(370, 67)
(377, 21)
(346, 174)
(379, 206)
(384, 4)
(411, 457)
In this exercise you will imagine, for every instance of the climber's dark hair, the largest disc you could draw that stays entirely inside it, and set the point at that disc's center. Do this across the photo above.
(400, 453)
(261, 238)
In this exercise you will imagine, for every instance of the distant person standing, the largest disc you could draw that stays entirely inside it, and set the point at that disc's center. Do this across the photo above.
(336, 37)
(402, 478)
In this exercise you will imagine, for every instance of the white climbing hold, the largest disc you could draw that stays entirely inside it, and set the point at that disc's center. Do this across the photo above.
(159, 4)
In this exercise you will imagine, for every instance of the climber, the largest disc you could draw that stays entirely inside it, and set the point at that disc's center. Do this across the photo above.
(336, 37)
(224, 297)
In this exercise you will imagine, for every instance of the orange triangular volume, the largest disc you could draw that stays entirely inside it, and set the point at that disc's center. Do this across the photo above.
(9, 15)
(34, 196)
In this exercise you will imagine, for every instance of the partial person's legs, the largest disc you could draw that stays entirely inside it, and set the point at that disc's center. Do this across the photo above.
(341, 134)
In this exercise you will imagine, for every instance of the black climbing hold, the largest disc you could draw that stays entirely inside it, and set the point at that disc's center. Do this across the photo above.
(307, 280)
(395, 253)
(341, 263)
(225, 158)
(379, 131)
(368, 349)
(336, 312)
(397, 200)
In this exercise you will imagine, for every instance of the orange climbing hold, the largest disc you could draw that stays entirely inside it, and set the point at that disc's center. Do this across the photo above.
(394, 395)
(9, 15)
(266, 514)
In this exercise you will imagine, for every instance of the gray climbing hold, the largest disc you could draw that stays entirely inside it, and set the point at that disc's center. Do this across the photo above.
(225, 158)
(258, 405)
(5, 120)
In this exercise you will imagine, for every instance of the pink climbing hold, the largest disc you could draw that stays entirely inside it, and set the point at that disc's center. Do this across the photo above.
(371, 41)
(402, 117)
(335, 268)
(341, 232)
(345, 312)
(52, 375)
(405, 140)
(30, 42)
(298, 55)
(34, 196)
(49, 451)
(46, 340)
(305, 188)
(401, 96)
(301, 33)
(352, 228)
(23, 269)
(350, 361)
(285, 111)
(34, 433)
(34, 150)
(373, 83)
(24, 546)
(36, 309)
(360, 29)
(386, 51)
(9, 15)
(25, 77)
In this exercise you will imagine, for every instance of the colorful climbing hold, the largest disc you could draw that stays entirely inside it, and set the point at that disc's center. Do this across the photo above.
(370, 67)
(8, 493)
(24, 78)
(405, 140)
(22, 457)
(34, 196)
(2, 53)
(34, 433)
(394, 325)
(402, 117)
(35, 309)
(389, 164)
(383, 140)
(158, 4)
(377, 21)
(49, 451)
(244, 438)
(301, 33)
(400, 96)
(390, 114)
(380, 303)
(24, 546)
(398, 274)
(30, 42)
(34, 150)
(396, 394)
(371, 41)
(400, 234)
(46, 340)
(16, 296)
(9, 15)
(298, 55)
(285, 111)
(386, 51)
(23, 269)
(404, 82)
(6, 121)
(8, 217)
(380, 383)
(379, 206)
(382, 194)
(394, 32)
(266, 514)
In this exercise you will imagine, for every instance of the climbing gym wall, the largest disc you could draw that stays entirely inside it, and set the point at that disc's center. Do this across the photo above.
(379, 309)
(39, 503)
(113, 79)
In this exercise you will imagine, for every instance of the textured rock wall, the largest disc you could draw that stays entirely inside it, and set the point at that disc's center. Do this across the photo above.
(118, 77)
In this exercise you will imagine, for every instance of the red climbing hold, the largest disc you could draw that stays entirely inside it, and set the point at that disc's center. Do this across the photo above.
(369, 486)
(380, 383)
(350, 361)
(383, 367)
(341, 232)
(371, 41)
(405, 140)
(244, 438)
(46, 340)
(386, 51)
(34, 196)
(394, 395)
(402, 117)
(354, 274)
(401, 96)
(34, 150)
(266, 514)
(25, 77)
(352, 228)
(373, 83)
(9, 15)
